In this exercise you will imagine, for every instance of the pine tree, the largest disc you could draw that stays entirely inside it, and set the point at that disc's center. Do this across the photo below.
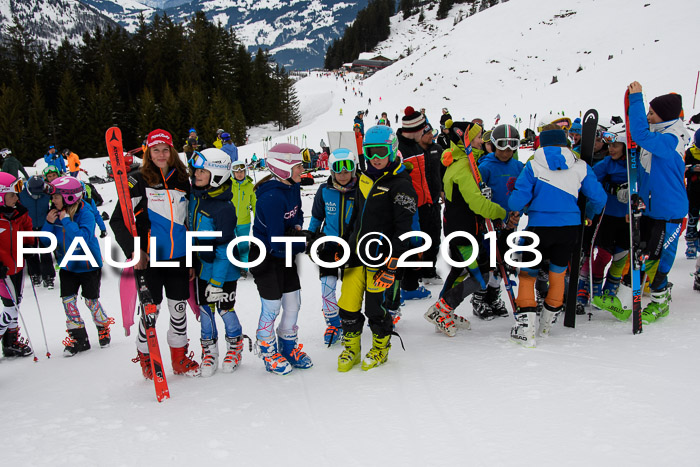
(239, 131)
(38, 128)
(148, 113)
(69, 112)
(12, 131)
(171, 115)
(219, 116)
(444, 8)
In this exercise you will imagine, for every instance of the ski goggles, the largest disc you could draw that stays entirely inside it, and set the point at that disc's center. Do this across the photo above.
(507, 143)
(238, 168)
(197, 160)
(380, 151)
(564, 123)
(609, 137)
(14, 187)
(347, 165)
(306, 155)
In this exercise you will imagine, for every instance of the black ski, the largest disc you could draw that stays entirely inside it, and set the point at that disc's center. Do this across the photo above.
(588, 131)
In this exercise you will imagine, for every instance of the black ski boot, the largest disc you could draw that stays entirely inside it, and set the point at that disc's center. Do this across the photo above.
(493, 298)
(77, 341)
(15, 346)
(480, 307)
(103, 332)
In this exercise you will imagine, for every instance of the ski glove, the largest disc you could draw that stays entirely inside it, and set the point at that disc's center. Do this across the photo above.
(214, 294)
(103, 234)
(384, 278)
(3, 271)
(623, 194)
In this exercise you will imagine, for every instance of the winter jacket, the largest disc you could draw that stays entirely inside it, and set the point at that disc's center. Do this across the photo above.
(465, 206)
(211, 210)
(243, 199)
(385, 203)
(231, 150)
(37, 208)
(361, 122)
(500, 177)
(90, 204)
(56, 160)
(358, 143)
(611, 174)
(161, 212)
(278, 210)
(13, 166)
(550, 183)
(73, 162)
(332, 209)
(661, 184)
(67, 230)
(692, 159)
(12, 221)
(433, 170)
(414, 159)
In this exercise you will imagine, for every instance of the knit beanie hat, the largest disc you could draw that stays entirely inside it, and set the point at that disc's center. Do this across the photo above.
(412, 120)
(457, 130)
(553, 138)
(667, 107)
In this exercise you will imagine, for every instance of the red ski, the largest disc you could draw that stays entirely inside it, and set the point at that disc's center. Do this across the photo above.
(148, 309)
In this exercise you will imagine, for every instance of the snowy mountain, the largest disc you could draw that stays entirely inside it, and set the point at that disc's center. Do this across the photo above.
(51, 21)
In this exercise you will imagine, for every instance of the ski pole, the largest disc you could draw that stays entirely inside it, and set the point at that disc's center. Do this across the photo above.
(41, 320)
(26, 330)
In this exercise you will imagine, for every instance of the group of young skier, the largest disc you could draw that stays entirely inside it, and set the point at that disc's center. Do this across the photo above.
(396, 185)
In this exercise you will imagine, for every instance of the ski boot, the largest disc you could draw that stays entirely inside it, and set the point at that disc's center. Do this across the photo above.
(234, 353)
(292, 350)
(378, 354)
(334, 331)
(480, 307)
(597, 287)
(395, 316)
(548, 317)
(493, 299)
(36, 280)
(440, 314)
(48, 283)
(350, 356)
(620, 304)
(15, 346)
(691, 249)
(583, 295)
(104, 334)
(145, 360)
(658, 308)
(419, 294)
(183, 363)
(696, 282)
(273, 360)
(210, 357)
(524, 330)
(77, 341)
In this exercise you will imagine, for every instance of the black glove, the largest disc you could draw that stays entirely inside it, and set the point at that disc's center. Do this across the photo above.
(3, 271)
(307, 234)
(103, 234)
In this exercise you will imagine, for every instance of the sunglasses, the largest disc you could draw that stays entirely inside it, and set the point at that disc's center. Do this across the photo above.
(507, 143)
(344, 165)
(380, 151)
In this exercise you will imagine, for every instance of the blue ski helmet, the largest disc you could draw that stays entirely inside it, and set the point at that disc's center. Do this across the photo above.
(381, 136)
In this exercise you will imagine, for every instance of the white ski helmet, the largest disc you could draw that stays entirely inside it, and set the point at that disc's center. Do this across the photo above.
(282, 158)
(619, 132)
(552, 118)
(342, 159)
(216, 161)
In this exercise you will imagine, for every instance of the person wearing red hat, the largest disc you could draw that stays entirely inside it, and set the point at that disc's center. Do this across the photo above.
(662, 137)
(159, 193)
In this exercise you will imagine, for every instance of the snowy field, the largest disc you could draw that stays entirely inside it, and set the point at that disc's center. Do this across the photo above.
(593, 395)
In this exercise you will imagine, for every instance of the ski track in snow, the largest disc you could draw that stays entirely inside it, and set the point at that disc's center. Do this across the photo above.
(593, 395)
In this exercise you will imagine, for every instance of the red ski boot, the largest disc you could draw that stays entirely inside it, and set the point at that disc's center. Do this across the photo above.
(183, 364)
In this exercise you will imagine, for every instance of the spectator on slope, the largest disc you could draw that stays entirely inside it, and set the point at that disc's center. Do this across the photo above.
(73, 162)
(359, 121)
(12, 165)
(228, 147)
(55, 159)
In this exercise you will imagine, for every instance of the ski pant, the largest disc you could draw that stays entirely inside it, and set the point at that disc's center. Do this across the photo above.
(329, 300)
(430, 223)
(556, 245)
(243, 248)
(280, 291)
(207, 311)
(659, 242)
(613, 242)
(358, 285)
(464, 281)
(88, 283)
(176, 283)
(11, 295)
(693, 191)
(41, 265)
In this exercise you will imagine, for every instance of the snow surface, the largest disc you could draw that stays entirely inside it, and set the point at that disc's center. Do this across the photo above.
(594, 395)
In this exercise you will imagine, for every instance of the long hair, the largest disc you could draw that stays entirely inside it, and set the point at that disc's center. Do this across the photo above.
(151, 173)
(72, 209)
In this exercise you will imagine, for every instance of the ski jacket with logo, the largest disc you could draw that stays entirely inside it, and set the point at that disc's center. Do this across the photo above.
(161, 212)
(611, 174)
(332, 210)
(499, 176)
(386, 203)
(67, 230)
(465, 206)
(278, 210)
(550, 183)
(12, 221)
(243, 199)
(210, 211)
(413, 158)
(661, 184)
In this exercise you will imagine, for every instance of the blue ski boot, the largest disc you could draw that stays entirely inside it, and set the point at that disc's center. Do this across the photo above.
(419, 294)
(291, 349)
(274, 361)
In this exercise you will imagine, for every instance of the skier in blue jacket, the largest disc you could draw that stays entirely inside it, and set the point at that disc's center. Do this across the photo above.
(55, 159)
(332, 215)
(36, 200)
(662, 137)
(549, 186)
(211, 210)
